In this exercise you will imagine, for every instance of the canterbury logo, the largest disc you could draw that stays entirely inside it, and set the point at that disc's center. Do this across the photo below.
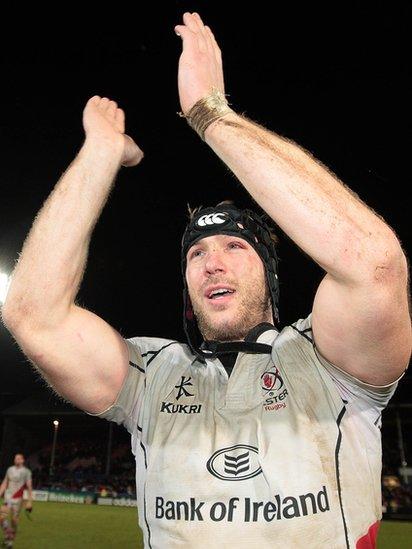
(237, 465)
(211, 219)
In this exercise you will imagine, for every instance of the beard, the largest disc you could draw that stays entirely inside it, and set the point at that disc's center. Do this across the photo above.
(253, 307)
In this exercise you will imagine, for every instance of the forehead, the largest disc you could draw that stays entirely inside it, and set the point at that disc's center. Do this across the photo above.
(218, 239)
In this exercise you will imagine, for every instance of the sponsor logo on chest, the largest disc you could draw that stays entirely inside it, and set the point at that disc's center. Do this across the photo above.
(273, 388)
(239, 462)
(244, 509)
(182, 389)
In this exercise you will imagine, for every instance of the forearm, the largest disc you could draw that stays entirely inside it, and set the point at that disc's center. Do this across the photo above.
(47, 276)
(308, 202)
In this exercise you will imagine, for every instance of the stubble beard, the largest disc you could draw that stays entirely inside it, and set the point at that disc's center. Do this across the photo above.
(254, 307)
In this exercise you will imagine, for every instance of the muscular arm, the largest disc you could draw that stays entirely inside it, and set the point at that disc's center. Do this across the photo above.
(79, 354)
(360, 314)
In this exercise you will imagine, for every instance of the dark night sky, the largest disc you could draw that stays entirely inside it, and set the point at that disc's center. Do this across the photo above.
(338, 82)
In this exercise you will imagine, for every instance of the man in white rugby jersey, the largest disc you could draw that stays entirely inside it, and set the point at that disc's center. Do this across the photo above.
(16, 481)
(249, 435)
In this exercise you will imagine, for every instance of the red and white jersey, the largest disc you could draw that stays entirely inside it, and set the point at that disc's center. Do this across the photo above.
(286, 452)
(17, 481)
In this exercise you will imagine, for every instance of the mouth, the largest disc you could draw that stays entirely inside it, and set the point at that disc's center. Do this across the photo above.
(219, 293)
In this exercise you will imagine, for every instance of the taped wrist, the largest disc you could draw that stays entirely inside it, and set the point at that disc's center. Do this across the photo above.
(207, 110)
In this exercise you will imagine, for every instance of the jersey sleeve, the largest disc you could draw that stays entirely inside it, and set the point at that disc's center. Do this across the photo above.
(350, 388)
(125, 409)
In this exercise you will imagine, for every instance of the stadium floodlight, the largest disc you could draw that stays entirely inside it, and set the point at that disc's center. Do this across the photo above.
(53, 452)
(4, 286)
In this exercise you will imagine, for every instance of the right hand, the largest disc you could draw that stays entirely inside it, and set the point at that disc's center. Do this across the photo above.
(103, 121)
(200, 64)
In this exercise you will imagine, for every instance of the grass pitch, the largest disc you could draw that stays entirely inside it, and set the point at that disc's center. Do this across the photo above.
(74, 526)
(395, 534)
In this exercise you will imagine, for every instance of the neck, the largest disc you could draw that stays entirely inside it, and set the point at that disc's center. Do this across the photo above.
(246, 335)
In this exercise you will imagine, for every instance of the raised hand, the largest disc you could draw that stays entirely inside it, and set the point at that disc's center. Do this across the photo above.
(104, 123)
(200, 64)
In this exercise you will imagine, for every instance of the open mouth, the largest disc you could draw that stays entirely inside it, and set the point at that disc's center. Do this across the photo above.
(220, 293)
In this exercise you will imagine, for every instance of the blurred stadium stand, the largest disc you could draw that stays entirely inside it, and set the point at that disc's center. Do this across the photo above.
(91, 455)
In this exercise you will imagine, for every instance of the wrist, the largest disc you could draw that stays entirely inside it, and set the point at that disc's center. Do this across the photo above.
(207, 111)
(103, 149)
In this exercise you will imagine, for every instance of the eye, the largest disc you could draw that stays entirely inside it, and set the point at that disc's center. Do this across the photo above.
(195, 253)
(234, 245)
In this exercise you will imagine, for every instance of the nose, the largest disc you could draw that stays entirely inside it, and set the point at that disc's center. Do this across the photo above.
(214, 262)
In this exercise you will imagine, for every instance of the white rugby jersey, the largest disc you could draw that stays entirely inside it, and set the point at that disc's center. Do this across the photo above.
(17, 481)
(284, 453)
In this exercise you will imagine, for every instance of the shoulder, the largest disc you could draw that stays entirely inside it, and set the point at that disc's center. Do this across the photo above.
(151, 345)
(297, 342)
(297, 333)
(149, 350)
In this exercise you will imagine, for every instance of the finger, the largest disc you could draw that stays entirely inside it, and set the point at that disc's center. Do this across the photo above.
(120, 120)
(205, 43)
(190, 22)
(202, 43)
(189, 38)
(217, 51)
(198, 21)
(94, 100)
(213, 40)
(191, 34)
(134, 153)
(111, 108)
(104, 103)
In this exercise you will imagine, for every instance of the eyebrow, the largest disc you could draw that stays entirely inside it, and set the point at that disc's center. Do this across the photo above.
(228, 236)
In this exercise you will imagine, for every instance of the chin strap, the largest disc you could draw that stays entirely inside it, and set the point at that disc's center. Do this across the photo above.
(212, 349)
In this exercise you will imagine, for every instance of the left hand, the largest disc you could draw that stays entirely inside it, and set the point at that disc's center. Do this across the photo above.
(200, 64)
(104, 122)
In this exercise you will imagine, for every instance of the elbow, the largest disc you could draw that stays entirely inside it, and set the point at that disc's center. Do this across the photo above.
(374, 261)
(390, 264)
(10, 317)
(20, 314)
(15, 307)
(25, 323)
(13, 310)
(16, 316)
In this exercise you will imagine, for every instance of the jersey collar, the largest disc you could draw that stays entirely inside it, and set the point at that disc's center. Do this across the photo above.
(258, 341)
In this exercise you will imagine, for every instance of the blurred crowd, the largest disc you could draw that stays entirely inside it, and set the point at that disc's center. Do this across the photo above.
(81, 466)
(396, 491)
(396, 495)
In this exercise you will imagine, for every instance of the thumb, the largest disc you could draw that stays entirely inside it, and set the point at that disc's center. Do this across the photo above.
(188, 37)
(132, 154)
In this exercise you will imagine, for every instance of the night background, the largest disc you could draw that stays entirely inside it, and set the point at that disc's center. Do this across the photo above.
(339, 86)
(336, 80)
